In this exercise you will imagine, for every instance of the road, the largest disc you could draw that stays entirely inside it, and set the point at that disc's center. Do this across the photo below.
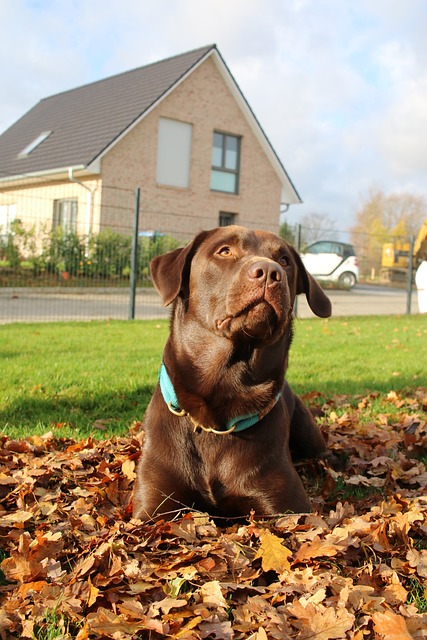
(29, 305)
(364, 300)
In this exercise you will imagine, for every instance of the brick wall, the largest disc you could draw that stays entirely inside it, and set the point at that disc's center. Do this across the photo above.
(203, 100)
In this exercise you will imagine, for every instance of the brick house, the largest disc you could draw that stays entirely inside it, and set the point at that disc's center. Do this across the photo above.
(179, 129)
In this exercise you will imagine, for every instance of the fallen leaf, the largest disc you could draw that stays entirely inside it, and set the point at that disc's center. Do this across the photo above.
(274, 555)
(390, 626)
(418, 560)
(128, 469)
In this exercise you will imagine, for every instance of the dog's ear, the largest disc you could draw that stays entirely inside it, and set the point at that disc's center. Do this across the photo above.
(170, 272)
(318, 301)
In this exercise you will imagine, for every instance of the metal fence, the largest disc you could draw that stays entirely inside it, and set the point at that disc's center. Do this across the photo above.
(53, 268)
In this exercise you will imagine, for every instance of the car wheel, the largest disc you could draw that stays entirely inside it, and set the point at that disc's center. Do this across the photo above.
(347, 279)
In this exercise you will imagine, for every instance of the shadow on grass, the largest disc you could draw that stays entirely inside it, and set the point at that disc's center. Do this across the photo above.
(329, 388)
(113, 413)
(100, 415)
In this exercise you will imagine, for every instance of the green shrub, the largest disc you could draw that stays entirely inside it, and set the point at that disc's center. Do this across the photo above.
(106, 255)
(63, 251)
(10, 244)
(110, 254)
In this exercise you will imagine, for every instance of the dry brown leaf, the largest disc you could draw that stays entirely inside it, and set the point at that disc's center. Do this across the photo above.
(212, 595)
(418, 560)
(321, 623)
(128, 469)
(72, 546)
(390, 626)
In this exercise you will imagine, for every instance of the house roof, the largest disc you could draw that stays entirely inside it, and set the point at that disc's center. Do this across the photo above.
(75, 128)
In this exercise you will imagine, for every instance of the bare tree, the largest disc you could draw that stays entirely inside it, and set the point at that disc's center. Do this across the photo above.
(317, 226)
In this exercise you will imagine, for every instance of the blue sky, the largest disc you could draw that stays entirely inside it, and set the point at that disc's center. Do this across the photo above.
(340, 88)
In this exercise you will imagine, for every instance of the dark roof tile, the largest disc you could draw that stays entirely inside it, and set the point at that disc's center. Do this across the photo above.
(86, 120)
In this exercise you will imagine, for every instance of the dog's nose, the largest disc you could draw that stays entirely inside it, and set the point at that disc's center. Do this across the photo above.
(265, 271)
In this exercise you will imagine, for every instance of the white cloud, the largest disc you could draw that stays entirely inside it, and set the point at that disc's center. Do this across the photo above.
(404, 131)
(339, 87)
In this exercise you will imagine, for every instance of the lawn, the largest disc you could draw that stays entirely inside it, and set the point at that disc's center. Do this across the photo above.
(76, 565)
(77, 379)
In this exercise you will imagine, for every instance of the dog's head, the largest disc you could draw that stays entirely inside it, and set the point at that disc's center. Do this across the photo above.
(237, 282)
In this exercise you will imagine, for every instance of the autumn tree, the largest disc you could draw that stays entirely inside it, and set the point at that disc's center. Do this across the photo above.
(382, 217)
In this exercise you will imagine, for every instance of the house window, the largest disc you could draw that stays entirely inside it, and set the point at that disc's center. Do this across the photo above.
(225, 219)
(174, 153)
(225, 163)
(65, 214)
(7, 216)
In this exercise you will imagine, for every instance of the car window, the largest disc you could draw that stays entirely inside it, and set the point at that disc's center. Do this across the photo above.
(320, 247)
(337, 248)
(326, 246)
(348, 250)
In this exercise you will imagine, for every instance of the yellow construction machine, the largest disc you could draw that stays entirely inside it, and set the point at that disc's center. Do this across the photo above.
(395, 256)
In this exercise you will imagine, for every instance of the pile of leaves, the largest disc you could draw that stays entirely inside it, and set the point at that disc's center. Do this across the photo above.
(354, 568)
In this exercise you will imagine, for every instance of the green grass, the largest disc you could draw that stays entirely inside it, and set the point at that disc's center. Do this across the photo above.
(69, 378)
(52, 626)
(81, 378)
(417, 594)
(359, 355)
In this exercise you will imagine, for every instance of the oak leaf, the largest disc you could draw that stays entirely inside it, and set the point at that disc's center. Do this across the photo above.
(128, 469)
(274, 555)
(418, 561)
(395, 594)
(104, 622)
(319, 622)
(390, 626)
(329, 546)
(212, 595)
(166, 605)
(217, 630)
(15, 519)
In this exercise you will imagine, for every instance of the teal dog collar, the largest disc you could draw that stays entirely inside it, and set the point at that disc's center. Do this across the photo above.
(235, 425)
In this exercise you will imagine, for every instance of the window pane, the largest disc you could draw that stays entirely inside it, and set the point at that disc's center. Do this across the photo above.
(225, 219)
(217, 150)
(65, 214)
(231, 152)
(73, 216)
(221, 181)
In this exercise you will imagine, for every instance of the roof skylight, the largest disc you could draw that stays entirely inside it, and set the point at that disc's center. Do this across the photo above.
(34, 144)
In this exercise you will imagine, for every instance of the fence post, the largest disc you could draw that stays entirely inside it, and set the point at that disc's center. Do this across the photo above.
(134, 257)
(298, 247)
(410, 275)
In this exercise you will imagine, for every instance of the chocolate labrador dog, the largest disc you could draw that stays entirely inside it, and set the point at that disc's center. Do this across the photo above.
(222, 422)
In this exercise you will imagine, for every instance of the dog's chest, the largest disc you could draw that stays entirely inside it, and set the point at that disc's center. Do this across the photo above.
(221, 465)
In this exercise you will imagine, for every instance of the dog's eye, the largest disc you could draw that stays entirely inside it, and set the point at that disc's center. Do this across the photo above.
(284, 261)
(224, 251)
